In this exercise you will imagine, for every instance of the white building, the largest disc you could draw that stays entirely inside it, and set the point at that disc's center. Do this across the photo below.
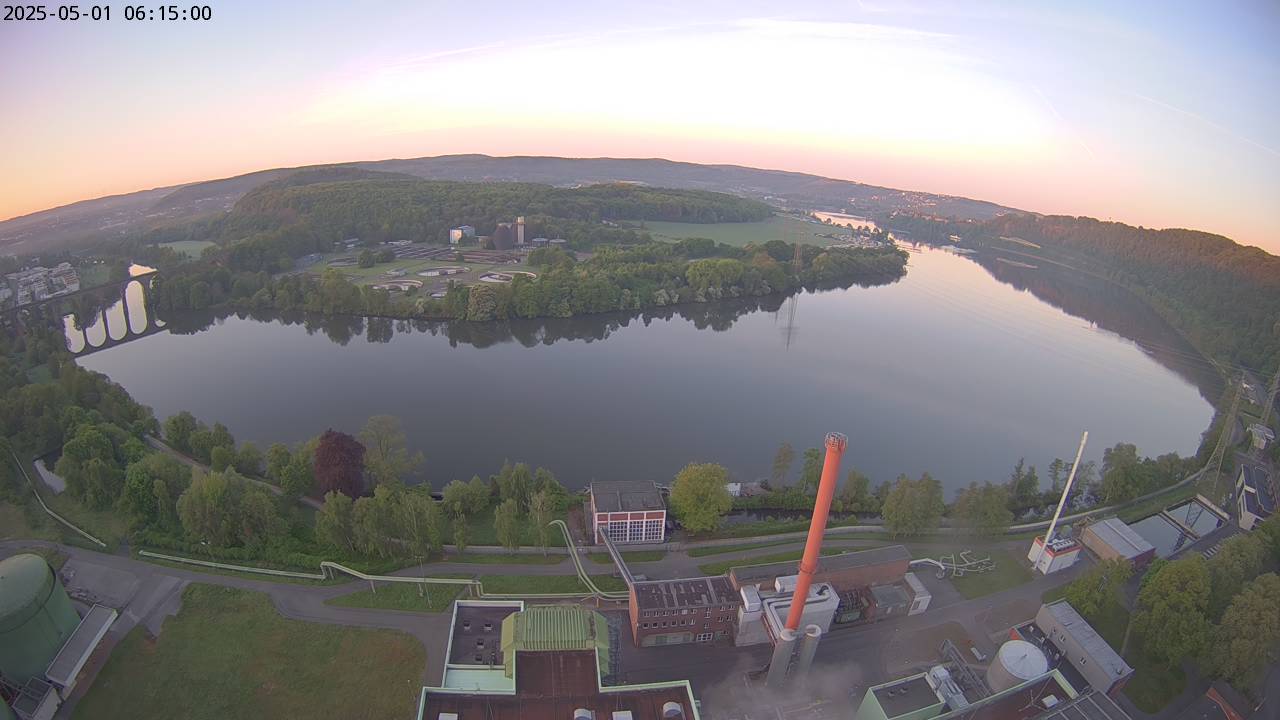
(1262, 435)
(1062, 553)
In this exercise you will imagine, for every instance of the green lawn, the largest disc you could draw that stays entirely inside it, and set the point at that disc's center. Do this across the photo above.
(1153, 685)
(229, 654)
(18, 522)
(505, 558)
(633, 556)
(108, 525)
(778, 227)
(190, 248)
(483, 532)
(721, 567)
(402, 596)
(537, 584)
(722, 549)
(1009, 572)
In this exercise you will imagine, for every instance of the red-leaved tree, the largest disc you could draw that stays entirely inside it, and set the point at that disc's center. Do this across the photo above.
(339, 464)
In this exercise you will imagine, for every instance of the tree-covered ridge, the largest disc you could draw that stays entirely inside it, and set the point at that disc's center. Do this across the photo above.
(1224, 296)
(381, 210)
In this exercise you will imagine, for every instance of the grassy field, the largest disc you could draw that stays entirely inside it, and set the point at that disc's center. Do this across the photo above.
(402, 596)
(537, 584)
(722, 549)
(17, 523)
(190, 248)
(229, 654)
(634, 556)
(778, 227)
(108, 525)
(721, 567)
(1009, 572)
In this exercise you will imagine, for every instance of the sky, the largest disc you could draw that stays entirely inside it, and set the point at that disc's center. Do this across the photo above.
(1162, 114)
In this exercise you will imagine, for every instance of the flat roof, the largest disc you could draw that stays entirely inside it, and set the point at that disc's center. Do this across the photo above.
(556, 627)
(826, 563)
(1122, 538)
(1256, 479)
(1091, 706)
(1100, 652)
(551, 685)
(686, 593)
(626, 495)
(471, 637)
(75, 651)
(906, 696)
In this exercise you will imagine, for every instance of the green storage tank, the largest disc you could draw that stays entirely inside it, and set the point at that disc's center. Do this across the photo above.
(5, 712)
(36, 617)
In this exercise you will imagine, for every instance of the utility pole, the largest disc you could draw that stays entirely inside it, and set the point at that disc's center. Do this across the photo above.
(1219, 451)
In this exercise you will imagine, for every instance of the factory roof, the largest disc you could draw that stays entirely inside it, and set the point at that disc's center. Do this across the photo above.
(1260, 502)
(1100, 653)
(477, 633)
(554, 627)
(1124, 539)
(905, 696)
(552, 685)
(1091, 706)
(687, 593)
(75, 652)
(626, 495)
(826, 564)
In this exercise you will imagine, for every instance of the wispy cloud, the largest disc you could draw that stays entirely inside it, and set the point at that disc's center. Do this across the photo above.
(1070, 128)
(1206, 121)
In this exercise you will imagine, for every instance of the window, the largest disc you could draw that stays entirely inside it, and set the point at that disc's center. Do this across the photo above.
(635, 531)
(617, 530)
(652, 530)
(705, 637)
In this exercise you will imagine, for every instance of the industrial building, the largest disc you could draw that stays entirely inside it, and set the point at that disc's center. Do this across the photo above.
(846, 571)
(461, 234)
(671, 612)
(41, 283)
(43, 641)
(553, 664)
(1112, 538)
(1255, 496)
(1061, 554)
(1082, 646)
(1261, 435)
(629, 511)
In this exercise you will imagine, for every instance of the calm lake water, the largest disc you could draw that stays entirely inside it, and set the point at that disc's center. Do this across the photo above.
(958, 369)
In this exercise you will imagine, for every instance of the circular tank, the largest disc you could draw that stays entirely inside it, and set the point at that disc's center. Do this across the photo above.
(36, 617)
(1017, 662)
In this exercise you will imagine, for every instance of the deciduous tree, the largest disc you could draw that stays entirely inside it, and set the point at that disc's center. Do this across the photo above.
(983, 509)
(334, 521)
(699, 497)
(1098, 587)
(387, 457)
(506, 523)
(339, 464)
(1172, 611)
(1246, 641)
(782, 463)
(913, 506)
(540, 514)
(1238, 560)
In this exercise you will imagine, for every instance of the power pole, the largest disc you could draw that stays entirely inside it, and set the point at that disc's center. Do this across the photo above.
(1219, 451)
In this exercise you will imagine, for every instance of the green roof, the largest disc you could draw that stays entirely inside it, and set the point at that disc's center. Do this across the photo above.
(542, 628)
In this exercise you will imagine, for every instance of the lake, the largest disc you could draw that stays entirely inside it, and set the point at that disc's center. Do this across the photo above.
(959, 369)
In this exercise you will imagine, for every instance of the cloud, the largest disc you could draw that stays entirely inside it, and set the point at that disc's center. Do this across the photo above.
(1206, 121)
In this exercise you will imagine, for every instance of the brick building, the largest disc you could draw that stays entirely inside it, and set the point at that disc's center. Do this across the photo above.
(630, 511)
(672, 612)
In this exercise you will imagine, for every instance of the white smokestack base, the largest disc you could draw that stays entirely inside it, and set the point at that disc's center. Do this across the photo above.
(808, 648)
(781, 662)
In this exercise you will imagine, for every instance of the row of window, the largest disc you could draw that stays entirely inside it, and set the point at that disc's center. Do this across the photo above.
(685, 611)
(634, 530)
(673, 623)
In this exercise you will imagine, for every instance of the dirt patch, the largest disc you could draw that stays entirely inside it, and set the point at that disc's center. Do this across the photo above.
(1015, 612)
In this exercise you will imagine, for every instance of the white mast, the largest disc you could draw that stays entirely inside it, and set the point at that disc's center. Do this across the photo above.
(1048, 535)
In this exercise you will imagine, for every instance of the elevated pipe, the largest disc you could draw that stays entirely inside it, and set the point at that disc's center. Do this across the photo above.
(836, 443)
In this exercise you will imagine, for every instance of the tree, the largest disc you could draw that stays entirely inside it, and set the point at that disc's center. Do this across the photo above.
(208, 509)
(1172, 611)
(1099, 587)
(221, 458)
(418, 518)
(699, 497)
(1270, 533)
(278, 458)
(339, 464)
(366, 258)
(811, 471)
(88, 464)
(461, 533)
(1238, 560)
(913, 506)
(201, 444)
(540, 511)
(373, 521)
(152, 487)
(457, 497)
(515, 483)
(856, 493)
(178, 429)
(333, 521)
(545, 481)
(1248, 637)
(1023, 487)
(1121, 474)
(259, 517)
(506, 522)
(983, 509)
(478, 496)
(296, 479)
(782, 463)
(249, 459)
(387, 457)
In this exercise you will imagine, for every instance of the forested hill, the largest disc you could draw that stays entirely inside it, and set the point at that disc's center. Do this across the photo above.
(379, 210)
(1225, 297)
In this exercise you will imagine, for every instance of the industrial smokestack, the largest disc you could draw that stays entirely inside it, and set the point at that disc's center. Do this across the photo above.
(808, 647)
(836, 444)
(781, 662)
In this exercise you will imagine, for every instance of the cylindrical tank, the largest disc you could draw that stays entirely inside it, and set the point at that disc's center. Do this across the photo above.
(5, 712)
(36, 617)
(1017, 662)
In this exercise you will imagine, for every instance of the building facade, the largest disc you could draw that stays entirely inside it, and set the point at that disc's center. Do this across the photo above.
(1255, 497)
(629, 511)
(1113, 538)
(673, 612)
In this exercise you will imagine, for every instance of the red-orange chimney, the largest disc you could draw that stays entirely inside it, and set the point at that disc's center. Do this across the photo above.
(836, 444)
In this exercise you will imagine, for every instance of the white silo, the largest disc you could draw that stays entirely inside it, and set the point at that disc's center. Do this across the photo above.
(1017, 662)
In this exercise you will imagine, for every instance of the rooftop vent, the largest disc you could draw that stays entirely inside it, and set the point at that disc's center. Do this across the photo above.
(622, 715)
(672, 711)
(583, 714)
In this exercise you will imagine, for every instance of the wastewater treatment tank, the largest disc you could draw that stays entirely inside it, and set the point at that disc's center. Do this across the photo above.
(1016, 662)
(36, 617)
